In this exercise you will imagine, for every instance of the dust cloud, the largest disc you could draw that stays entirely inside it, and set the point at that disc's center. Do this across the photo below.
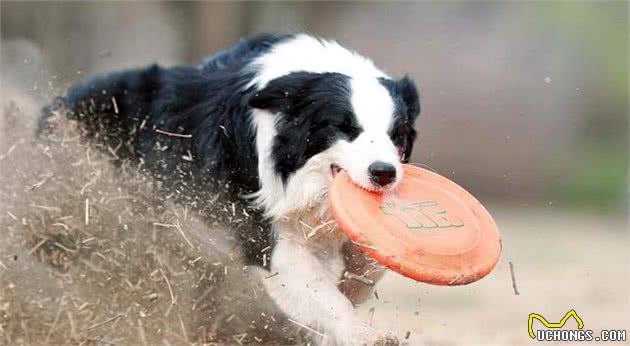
(92, 254)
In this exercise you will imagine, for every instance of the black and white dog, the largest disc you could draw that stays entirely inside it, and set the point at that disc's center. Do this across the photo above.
(272, 120)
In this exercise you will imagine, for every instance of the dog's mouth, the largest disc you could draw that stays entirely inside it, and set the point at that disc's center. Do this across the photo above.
(334, 169)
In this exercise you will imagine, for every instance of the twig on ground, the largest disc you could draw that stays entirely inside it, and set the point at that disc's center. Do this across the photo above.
(54, 324)
(181, 324)
(92, 181)
(37, 246)
(3, 156)
(179, 228)
(143, 336)
(100, 324)
(59, 245)
(239, 338)
(513, 279)
(73, 330)
(46, 208)
(168, 284)
(12, 216)
(87, 211)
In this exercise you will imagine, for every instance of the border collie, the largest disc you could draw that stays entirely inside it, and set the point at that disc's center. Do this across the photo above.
(271, 120)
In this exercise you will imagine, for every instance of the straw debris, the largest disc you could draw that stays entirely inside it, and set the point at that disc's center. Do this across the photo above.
(95, 253)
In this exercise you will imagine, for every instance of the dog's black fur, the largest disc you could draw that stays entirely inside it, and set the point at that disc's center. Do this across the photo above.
(206, 104)
(302, 96)
(190, 126)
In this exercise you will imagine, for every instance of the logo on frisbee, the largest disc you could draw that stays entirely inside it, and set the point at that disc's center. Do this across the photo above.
(421, 215)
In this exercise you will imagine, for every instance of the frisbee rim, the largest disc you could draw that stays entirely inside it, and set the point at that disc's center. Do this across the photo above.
(427, 273)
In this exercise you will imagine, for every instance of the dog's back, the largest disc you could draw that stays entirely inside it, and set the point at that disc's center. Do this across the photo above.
(185, 126)
(180, 119)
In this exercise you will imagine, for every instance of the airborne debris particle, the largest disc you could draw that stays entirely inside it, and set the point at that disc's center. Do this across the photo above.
(173, 134)
(87, 211)
(272, 275)
(307, 328)
(224, 131)
(104, 322)
(115, 105)
(360, 278)
(516, 293)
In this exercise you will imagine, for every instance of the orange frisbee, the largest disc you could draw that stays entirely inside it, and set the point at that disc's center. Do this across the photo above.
(429, 228)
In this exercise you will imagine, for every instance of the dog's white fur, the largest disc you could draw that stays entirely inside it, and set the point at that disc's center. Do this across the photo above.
(373, 108)
(310, 54)
(309, 269)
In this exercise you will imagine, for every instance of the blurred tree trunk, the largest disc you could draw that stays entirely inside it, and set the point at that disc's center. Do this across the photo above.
(79, 38)
(207, 17)
(241, 19)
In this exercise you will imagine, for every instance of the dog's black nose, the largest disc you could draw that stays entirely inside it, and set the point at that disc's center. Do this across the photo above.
(382, 173)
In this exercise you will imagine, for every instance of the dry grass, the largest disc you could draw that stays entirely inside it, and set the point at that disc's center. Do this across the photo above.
(92, 255)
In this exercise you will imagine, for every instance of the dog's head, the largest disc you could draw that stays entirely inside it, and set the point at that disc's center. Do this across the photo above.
(311, 125)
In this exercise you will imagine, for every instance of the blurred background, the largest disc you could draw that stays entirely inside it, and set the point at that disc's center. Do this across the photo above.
(525, 104)
(521, 101)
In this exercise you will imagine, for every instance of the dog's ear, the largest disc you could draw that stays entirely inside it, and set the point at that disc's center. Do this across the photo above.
(409, 94)
(283, 93)
(272, 98)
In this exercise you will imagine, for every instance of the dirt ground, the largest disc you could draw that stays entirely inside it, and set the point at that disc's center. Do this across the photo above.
(88, 256)
(562, 260)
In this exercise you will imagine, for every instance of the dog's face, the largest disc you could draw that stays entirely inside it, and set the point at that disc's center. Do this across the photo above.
(315, 124)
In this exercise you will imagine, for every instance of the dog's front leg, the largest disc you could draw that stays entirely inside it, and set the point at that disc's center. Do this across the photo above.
(305, 288)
